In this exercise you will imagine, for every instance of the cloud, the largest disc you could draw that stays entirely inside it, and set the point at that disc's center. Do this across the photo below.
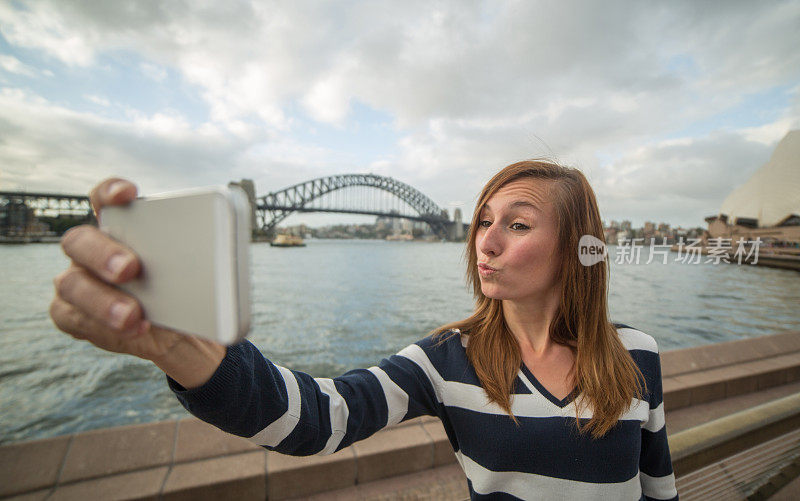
(687, 178)
(469, 87)
(47, 147)
(13, 65)
(153, 72)
(37, 25)
(98, 100)
(449, 61)
(771, 133)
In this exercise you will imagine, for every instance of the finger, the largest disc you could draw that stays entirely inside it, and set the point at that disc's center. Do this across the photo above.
(68, 319)
(104, 303)
(77, 324)
(102, 255)
(112, 191)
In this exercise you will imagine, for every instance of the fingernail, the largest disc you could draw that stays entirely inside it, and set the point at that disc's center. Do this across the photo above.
(115, 189)
(120, 311)
(117, 264)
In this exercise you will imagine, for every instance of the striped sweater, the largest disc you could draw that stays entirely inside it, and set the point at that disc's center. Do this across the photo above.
(543, 458)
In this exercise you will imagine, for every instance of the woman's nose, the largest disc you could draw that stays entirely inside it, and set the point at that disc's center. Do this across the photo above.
(489, 243)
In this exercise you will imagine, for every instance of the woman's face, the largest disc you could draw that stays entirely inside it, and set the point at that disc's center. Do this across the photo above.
(516, 242)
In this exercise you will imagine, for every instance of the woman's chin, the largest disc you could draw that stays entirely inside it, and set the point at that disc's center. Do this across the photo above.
(492, 293)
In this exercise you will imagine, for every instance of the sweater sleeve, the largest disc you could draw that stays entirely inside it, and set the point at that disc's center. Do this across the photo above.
(655, 464)
(293, 413)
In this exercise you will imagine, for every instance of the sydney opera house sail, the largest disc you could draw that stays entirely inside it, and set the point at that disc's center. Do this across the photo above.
(772, 195)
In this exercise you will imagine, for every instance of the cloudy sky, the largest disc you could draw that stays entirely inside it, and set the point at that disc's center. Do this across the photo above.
(666, 107)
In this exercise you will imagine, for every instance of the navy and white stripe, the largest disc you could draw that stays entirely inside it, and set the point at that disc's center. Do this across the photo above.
(544, 457)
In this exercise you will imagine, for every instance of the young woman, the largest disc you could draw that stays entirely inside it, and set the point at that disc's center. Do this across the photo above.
(540, 395)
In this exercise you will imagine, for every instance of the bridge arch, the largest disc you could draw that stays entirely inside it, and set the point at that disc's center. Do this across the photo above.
(277, 206)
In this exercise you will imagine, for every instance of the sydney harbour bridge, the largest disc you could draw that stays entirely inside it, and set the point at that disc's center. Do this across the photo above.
(367, 194)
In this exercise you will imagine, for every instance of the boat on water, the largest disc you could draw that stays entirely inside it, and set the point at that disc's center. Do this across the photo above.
(287, 241)
(401, 237)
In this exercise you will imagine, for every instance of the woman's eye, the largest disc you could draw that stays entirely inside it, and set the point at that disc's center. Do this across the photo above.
(485, 223)
(519, 226)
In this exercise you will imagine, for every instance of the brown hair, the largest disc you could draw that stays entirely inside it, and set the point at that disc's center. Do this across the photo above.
(606, 374)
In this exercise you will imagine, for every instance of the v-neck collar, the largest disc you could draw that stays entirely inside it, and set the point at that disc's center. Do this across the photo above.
(541, 389)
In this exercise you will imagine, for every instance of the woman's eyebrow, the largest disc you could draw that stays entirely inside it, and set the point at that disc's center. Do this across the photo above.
(523, 203)
(513, 205)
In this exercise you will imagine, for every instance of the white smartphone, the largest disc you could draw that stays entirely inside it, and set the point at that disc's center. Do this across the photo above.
(194, 246)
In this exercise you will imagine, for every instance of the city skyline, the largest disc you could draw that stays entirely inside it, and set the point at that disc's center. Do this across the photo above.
(666, 109)
(407, 226)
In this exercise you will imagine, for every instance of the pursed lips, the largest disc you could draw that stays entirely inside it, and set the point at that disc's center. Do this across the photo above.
(485, 270)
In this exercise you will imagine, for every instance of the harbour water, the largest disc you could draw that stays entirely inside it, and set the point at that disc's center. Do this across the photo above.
(334, 306)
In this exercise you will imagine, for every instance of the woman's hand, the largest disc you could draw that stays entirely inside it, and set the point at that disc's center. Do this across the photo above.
(88, 306)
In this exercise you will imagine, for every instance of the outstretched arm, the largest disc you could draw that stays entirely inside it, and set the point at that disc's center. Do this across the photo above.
(293, 413)
(236, 388)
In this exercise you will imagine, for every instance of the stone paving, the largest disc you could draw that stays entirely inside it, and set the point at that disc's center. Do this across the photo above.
(446, 483)
(790, 492)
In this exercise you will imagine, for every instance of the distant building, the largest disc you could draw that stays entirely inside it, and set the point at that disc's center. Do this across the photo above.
(17, 219)
(610, 235)
(459, 225)
(768, 204)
